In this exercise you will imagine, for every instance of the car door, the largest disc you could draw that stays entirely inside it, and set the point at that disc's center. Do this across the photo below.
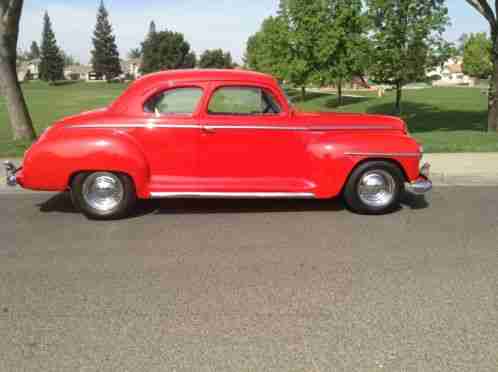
(249, 144)
(169, 135)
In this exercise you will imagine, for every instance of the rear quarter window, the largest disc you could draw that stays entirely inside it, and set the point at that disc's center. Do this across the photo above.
(179, 101)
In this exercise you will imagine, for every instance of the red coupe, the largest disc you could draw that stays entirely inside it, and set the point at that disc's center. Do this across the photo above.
(220, 134)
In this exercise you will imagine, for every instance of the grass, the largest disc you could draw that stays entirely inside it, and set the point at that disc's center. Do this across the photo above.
(443, 119)
(49, 103)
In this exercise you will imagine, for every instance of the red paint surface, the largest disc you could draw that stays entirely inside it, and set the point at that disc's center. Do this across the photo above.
(287, 152)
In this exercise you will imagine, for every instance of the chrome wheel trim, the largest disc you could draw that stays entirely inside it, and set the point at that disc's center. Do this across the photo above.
(377, 188)
(103, 191)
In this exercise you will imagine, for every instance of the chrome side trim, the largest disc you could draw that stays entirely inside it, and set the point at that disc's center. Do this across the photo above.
(151, 126)
(233, 195)
(301, 129)
(349, 127)
(390, 154)
(256, 127)
(232, 127)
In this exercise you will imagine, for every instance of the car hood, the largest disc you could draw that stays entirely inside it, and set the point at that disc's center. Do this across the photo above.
(350, 121)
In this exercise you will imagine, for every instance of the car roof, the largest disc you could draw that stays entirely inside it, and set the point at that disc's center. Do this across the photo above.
(206, 75)
(177, 77)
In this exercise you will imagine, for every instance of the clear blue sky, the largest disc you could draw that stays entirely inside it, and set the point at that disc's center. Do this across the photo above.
(206, 24)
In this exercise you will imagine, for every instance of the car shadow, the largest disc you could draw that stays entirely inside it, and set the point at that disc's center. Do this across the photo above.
(425, 117)
(61, 203)
(330, 100)
(414, 202)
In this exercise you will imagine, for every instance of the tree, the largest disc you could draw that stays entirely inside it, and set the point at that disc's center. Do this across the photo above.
(105, 54)
(135, 53)
(486, 10)
(152, 29)
(405, 35)
(477, 56)
(343, 43)
(288, 45)
(268, 50)
(308, 41)
(52, 60)
(20, 121)
(69, 60)
(304, 22)
(462, 40)
(166, 50)
(34, 51)
(190, 60)
(216, 58)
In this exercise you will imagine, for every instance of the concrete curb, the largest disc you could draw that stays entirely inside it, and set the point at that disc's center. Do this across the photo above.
(479, 169)
(464, 169)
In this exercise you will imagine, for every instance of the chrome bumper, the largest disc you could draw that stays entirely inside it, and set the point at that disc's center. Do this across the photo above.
(423, 185)
(10, 173)
(420, 187)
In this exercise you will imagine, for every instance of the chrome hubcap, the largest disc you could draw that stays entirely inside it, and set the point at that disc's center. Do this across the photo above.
(377, 188)
(103, 191)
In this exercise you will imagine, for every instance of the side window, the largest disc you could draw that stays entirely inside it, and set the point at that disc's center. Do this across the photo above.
(181, 101)
(243, 101)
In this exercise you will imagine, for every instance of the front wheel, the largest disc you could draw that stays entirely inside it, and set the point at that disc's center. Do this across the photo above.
(375, 187)
(103, 195)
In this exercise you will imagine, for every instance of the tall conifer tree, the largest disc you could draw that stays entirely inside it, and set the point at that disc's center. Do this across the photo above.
(52, 61)
(105, 54)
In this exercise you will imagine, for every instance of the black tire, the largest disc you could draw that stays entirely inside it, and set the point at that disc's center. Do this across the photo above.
(123, 207)
(351, 191)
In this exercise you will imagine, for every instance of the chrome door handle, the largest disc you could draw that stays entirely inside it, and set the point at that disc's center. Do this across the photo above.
(208, 129)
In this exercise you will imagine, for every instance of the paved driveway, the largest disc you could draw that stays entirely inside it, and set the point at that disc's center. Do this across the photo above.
(250, 286)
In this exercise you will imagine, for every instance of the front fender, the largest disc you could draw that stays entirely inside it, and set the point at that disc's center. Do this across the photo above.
(335, 156)
(50, 164)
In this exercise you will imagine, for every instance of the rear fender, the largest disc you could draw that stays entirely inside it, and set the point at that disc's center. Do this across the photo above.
(50, 164)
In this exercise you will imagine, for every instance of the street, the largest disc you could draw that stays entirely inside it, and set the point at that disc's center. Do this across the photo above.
(224, 285)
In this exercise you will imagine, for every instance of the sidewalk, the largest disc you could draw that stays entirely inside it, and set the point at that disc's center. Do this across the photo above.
(464, 169)
(461, 169)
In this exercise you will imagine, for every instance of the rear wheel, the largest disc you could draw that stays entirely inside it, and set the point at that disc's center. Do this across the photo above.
(103, 195)
(375, 187)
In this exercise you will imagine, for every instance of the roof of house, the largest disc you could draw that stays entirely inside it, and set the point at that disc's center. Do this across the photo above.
(78, 69)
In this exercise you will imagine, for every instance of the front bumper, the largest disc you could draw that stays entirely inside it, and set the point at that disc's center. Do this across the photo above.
(11, 174)
(423, 184)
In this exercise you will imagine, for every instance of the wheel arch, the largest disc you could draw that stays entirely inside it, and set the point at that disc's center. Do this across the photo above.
(360, 163)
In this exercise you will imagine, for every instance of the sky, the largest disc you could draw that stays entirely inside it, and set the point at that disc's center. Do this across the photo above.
(206, 24)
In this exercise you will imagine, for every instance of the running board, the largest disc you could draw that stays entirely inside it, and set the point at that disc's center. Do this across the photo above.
(232, 195)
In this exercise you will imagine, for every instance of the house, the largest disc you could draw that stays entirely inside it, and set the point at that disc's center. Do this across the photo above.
(77, 72)
(131, 68)
(82, 72)
(29, 70)
(450, 74)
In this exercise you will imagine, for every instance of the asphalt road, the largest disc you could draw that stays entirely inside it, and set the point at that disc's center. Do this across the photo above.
(250, 286)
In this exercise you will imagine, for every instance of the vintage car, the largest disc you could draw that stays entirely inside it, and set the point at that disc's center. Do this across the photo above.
(221, 134)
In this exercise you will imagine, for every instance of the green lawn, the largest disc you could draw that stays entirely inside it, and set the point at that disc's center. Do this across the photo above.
(49, 103)
(443, 119)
